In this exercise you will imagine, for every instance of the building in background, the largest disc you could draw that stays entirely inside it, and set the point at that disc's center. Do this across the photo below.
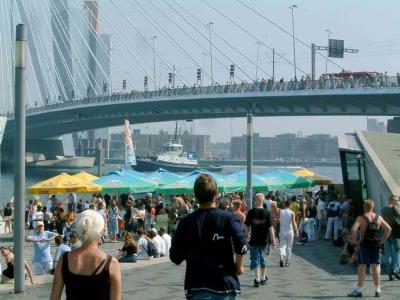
(393, 125)
(375, 125)
(288, 147)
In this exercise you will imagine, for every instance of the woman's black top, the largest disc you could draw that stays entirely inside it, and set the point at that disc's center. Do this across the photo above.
(128, 214)
(312, 212)
(9, 271)
(129, 249)
(8, 212)
(95, 286)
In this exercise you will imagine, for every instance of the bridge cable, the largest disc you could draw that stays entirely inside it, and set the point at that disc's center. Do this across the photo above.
(36, 44)
(77, 55)
(205, 49)
(252, 35)
(8, 105)
(179, 76)
(218, 35)
(3, 87)
(35, 18)
(171, 39)
(104, 48)
(128, 48)
(287, 32)
(58, 49)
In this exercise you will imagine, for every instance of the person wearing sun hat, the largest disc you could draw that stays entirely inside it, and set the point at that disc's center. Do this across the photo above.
(41, 239)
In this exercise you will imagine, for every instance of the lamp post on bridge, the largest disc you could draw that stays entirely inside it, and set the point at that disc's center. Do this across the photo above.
(326, 60)
(211, 56)
(294, 44)
(154, 62)
(19, 156)
(258, 56)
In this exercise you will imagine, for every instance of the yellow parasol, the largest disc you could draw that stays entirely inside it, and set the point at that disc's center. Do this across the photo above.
(63, 184)
(315, 177)
(85, 176)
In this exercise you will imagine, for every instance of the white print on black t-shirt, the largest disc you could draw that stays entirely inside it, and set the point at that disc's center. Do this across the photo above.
(216, 237)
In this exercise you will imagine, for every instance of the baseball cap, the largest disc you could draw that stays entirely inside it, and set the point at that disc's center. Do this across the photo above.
(39, 223)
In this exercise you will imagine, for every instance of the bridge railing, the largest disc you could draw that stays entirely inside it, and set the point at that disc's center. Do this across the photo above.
(232, 88)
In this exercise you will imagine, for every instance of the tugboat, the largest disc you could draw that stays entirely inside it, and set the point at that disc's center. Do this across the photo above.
(173, 159)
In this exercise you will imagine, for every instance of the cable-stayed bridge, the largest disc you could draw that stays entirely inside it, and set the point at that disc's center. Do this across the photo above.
(76, 69)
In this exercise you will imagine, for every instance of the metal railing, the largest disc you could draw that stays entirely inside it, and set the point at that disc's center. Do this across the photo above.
(231, 88)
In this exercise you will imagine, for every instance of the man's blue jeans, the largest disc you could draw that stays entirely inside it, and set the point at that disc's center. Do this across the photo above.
(205, 295)
(392, 255)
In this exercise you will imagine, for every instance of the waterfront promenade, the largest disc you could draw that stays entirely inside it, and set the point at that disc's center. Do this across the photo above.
(315, 273)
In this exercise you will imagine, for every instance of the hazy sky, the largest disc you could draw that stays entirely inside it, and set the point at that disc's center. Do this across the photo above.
(370, 26)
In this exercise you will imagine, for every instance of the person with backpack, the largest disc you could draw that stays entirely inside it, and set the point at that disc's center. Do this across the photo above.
(391, 214)
(333, 213)
(366, 233)
(145, 246)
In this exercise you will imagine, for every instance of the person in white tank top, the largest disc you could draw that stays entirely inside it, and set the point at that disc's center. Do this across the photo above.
(288, 228)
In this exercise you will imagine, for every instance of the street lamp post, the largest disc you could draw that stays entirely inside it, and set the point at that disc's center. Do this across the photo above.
(294, 44)
(203, 66)
(211, 56)
(154, 62)
(258, 56)
(326, 61)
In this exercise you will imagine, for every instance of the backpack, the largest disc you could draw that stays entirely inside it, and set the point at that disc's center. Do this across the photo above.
(372, 233)
(151, 250)
(396, 225)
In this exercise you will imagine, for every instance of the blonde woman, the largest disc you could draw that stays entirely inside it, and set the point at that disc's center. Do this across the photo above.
(88, 272)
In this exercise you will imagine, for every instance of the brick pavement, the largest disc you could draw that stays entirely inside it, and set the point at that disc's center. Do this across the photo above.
(314, 274)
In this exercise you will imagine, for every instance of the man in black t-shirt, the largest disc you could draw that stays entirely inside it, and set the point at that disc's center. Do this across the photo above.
(259, 221)
(204, 239)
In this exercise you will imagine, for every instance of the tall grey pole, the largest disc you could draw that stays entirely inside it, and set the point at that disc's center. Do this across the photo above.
(211, 55)
(294, 44)
(273, 64)
(249, 161)
(154, 63)
(19, 157)
(326, 60)
(258, 55)
(312, 64)
(99, 157)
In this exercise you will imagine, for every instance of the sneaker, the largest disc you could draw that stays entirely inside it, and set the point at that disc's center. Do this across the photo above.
(256, 283)
(355, 294)
(397, 275)
(287, 264)
(378, 294)
(264, 281)
(281, 263)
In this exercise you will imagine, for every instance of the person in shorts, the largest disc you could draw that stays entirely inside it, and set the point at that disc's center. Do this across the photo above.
(259, 222)
(41, 239)
(366, 234)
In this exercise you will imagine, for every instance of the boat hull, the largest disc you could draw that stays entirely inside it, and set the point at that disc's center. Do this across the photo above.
(147, 165)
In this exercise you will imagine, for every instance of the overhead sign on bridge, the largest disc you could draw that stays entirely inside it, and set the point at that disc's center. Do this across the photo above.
(336, 48)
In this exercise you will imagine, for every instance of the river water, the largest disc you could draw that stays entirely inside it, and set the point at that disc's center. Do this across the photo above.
(35, 176)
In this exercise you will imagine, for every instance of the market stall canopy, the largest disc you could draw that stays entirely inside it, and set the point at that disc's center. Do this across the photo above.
(315, 177)
(280, 180)
(85, 176)
(63, 184)
(162, 177)
(124, 182)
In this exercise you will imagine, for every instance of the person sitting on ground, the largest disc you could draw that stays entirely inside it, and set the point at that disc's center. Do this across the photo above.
(74, 242)
(8, 273)
(167, 239)
(61, 249)
(87, 272)
(158, 243)
(128, 253)
(143, 245)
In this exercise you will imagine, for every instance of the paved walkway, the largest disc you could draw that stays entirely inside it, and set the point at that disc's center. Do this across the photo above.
(314, 274)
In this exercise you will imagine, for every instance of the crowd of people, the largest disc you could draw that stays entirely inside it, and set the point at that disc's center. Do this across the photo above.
(201, 229)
